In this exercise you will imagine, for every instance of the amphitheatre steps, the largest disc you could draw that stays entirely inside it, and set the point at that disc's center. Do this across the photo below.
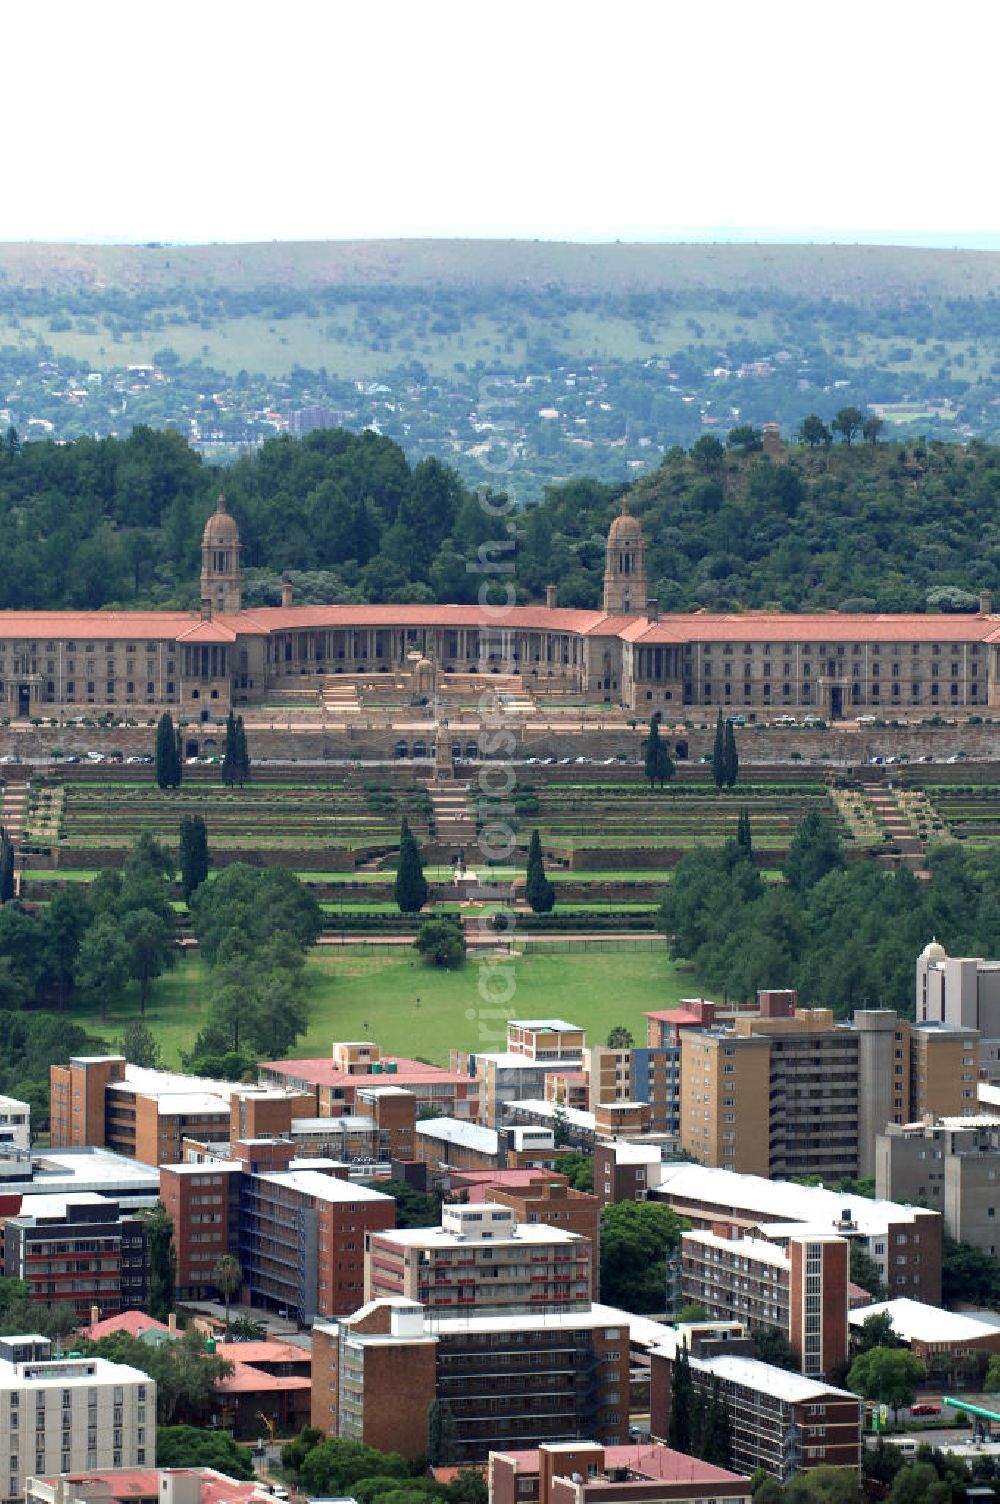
(899, 827)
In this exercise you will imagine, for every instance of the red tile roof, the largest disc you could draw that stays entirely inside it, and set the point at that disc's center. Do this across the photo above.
(831, 626)
(132, 1322)
(650, 1460)
(268, 1350)
(245, 1379)
(322, 1072)
(144, 1482)
(675, 1016)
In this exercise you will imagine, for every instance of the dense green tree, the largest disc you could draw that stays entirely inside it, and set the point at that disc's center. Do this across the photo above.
(658, 763)
(871, 428)
(199, 1446)
(815, 851)
(719, 752)
(410, 886)
(185, 1372)
(227, 1277)
(168, 761)
(730, 756)
(162, 1261)
(139, 1045)
(538, 889)
(745, 437)
(969, 1275)
(744, 836)
(824, 1485)
(636, 1237)
(560, 1125)
(888, 1375)
(192, 854)
(6, 866)
(848, 423)
(413, 1208)
(680, 1431)
(442, 1434)
(151, 951)
(441, 942)
(104, 964)
(620, 1038)
(715, 1431)
(578, 1169)
(335, 1467)
(865, 1272)
(771, 1345)
(814, 432)
(254, 903)
(230, 752)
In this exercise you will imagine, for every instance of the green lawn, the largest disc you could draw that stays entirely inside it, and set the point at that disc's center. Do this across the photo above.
(350, 987)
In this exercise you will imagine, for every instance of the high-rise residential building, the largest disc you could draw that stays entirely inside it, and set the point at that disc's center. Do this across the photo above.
(791, 1092)
(903, 1241)
(356, 1066)
(800, 1287)
(297, 1228)
(481, 1258)
(509, 1380)
(81, 1250)
(62, 1415)
(549, 1203)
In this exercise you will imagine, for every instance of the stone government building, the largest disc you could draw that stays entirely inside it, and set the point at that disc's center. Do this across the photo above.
(627, 654)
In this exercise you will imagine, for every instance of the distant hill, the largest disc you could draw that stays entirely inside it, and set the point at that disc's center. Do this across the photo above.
(535, 362)
(867, 273)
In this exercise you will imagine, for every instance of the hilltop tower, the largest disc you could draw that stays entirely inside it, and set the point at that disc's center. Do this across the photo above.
(625, 583)
(221, 578)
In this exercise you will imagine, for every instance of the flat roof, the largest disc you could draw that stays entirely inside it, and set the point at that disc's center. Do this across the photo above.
(916, 1322)
(648, 1460)
(537, 1107)
(757, 1249)
(552, 1025)
(323, 1187)
(763, 1378)
(446, 1237)
(782, 1200)
(458, 1131)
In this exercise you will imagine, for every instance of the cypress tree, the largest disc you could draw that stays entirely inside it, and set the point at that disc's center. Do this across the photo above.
(411, 885)
(730, 756)
(744, 839)
(651, 759)
(6, 866)
(242, 753)
(538, 890)
(716, 1440)
(193, 854)
(168, 760)
(442, 1434)
(719, 753)
(681, 1403)
(231, 753)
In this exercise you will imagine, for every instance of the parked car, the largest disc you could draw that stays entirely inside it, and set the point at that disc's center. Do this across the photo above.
(924, 1407)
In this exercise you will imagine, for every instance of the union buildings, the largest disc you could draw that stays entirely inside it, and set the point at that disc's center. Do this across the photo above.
(756, 663)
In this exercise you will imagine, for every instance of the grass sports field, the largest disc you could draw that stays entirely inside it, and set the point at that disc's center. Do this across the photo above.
(351, 987)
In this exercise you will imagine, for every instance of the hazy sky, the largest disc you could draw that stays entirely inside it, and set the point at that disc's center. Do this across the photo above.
(236, 120)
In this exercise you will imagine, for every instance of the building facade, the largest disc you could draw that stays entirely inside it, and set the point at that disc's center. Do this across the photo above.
(625, 652)
(81, 1250)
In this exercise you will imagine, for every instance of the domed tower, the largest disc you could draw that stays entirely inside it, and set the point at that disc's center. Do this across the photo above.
(221, 579)
(625, 583)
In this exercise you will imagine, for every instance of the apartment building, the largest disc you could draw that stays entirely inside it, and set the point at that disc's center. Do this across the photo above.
(355, 1066)
(963, 991)
(625, 1170)
(549, 1203)
(454, 1144)
(951, 1165)
(297, 1228)
(535, 1047)
(783, 1422)
(103, 1101)
(63, 1415)
(904, 1241)
(509, 1381)
(481, 1258)
(79, 1249)
(792, 1092)
(800, 1287)
(584, 1472)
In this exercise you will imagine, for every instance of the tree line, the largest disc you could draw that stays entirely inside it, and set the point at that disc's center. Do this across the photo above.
(884, 526)
(844, 935)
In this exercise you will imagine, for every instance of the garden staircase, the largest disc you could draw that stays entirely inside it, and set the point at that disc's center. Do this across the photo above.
(340, 695)
(900, 828)
(453, 826)
(13, 817)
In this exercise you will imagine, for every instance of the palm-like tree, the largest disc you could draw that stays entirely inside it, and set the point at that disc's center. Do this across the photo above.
(227, 1276)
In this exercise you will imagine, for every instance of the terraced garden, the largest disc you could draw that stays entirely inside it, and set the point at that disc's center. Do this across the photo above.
(961, 812)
